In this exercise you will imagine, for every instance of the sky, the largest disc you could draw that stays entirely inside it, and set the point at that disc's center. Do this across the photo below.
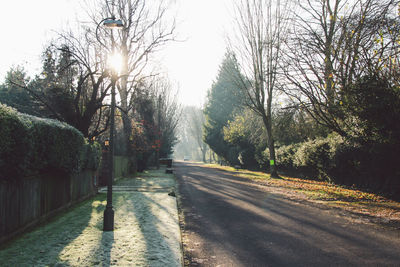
(191, 64)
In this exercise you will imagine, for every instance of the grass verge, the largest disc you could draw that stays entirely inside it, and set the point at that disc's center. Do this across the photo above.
(146, 233)
(356, 201)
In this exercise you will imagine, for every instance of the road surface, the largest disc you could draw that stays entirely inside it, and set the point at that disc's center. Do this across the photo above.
(229, 221)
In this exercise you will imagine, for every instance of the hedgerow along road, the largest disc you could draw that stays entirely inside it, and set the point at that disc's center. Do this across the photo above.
(230, 221)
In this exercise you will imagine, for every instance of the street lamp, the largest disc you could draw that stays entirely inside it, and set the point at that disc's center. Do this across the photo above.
(112, 23)
(108, 221)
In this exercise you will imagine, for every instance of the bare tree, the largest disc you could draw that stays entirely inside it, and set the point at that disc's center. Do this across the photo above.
(146, 29)
(186, 146)
(195, 120)
(157, 115)
(168, 114)
(92, 84)
(261, 27)
(333, 44)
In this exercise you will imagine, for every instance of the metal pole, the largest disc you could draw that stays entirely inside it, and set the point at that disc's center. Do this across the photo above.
(108, 223)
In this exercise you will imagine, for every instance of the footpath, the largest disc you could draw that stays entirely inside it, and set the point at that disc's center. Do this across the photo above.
(146, 230)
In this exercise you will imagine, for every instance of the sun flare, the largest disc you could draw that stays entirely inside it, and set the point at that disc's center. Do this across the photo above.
(115, 62)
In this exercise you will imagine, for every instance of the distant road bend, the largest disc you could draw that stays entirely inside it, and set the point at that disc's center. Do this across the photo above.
(231, 222)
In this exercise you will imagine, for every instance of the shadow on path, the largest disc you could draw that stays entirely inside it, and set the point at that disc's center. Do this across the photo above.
(43, 245)
(228, 221)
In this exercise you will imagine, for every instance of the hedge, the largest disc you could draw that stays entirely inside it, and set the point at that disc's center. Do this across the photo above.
(315, 157)
(374, 166)
(30, 145)
(91, 156)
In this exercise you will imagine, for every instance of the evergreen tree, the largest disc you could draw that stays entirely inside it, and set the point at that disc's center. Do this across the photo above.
(223, 102)
(14, 95)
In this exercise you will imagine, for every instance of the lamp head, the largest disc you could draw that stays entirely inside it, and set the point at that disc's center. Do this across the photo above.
(113, 23)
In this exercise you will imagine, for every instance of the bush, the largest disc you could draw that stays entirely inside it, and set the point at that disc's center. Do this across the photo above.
(232, 155)
(32, 145)
(285, 156)
(15, 143)
(348, 161)
(246, 158)
(262, 159)
(314, 158)
(373, 166)
(91, 156)
(57, 145)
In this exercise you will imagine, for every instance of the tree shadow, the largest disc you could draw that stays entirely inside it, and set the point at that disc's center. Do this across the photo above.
(158, 247)
(224, 214)
(44, 244)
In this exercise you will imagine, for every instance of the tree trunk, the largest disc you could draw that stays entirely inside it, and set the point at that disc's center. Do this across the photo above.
(158, 131)
(271, 146)
(127, 127)
(157, 159)
(126, 121)
(204, 153)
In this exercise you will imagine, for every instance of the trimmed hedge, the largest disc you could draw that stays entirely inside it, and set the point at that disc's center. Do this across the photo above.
(15, 143)
(30, 145)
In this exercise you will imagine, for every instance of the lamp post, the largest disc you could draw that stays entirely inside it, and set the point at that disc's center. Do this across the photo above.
(108, 220)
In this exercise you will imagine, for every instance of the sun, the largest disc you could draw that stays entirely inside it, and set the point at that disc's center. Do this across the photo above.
(114, 61)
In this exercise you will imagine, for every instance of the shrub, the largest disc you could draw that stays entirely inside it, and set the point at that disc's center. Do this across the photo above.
(57, 145)
(285, 156)
(314, 158)
(247, 159)
(347, 161)
(15, 143)
(32, 145)
(372, 166)
(263, 159)
(91, 156)
(232, 154)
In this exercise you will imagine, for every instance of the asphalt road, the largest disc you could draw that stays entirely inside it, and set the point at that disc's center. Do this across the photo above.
(228, 221)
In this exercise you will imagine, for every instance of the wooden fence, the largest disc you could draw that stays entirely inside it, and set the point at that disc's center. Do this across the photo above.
(25, 202)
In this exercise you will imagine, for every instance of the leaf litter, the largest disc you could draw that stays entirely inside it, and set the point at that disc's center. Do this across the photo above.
(376, 208)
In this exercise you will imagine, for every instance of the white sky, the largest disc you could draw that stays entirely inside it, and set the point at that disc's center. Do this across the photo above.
(31, 26)
(193, 64)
